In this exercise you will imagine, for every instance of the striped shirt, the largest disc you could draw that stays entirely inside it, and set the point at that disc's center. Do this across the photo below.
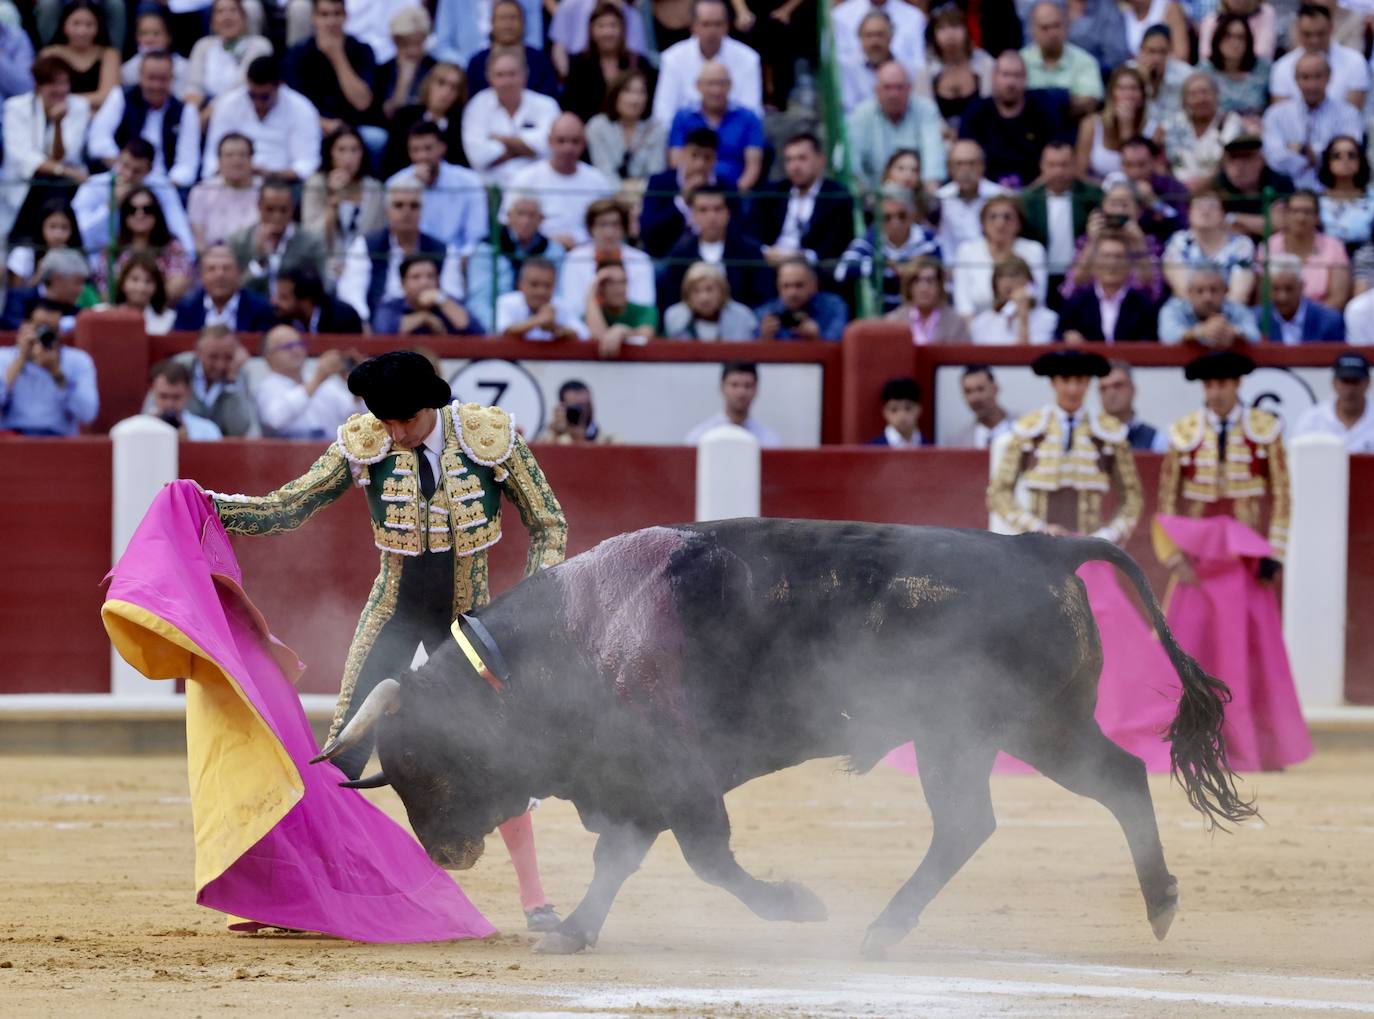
(1294, 123)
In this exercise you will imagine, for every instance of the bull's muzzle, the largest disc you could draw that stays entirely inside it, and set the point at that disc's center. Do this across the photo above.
(460, 855)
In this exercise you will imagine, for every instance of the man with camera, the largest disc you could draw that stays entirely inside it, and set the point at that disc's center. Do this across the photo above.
(169, 392)
(290, 406)
(46, 387)
(574, 418)
(801, 311)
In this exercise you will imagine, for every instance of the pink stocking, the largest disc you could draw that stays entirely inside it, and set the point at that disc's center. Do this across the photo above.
(519, 835)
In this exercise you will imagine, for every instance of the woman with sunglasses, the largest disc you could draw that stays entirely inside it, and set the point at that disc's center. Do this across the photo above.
(142, 227)
(1347, 204)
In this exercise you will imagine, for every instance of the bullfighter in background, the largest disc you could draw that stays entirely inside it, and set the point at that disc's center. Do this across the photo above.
(1225, 472)
(433, 471)
(1069, 460)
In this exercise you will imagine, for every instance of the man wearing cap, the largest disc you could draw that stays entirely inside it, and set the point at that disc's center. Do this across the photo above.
(433, 471)
(1224, 472)
(1068, 459)
(1348, 415)
(1242, 182)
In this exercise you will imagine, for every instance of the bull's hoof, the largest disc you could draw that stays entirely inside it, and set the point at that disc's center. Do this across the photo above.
(1163, 917)
(806, 906)
(560, 943)
(878, 939)
(542, 919)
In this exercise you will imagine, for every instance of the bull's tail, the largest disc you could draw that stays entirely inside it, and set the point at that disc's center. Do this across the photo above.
(1197, 748)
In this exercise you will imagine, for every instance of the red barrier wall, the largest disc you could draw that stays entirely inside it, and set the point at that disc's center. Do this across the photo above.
(1359, 623)
(56, 523)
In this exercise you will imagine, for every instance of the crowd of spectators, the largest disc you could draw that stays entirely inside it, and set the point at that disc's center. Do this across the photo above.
(996, 172)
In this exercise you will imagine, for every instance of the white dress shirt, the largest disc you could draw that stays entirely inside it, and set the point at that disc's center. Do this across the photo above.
(1059, 228)
(286, 410)
(185, 161)
(228, 316)
(801, 206)
(1109, 309)
(768, 439)
(357, 275)
(973, 273)
(959, 218)
(484, 117)
(454, 208)
(1322, 419)
(512, 308)
(895, 440)
(563, 197)
(1359, 320)
(680, 65)
(433, 446)
(578, 271)
(908, 32)
(287, 139)
(998, 327)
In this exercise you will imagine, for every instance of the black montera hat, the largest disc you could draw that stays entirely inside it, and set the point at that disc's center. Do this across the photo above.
(1218, 364)
(1073, 363)
(398, 385)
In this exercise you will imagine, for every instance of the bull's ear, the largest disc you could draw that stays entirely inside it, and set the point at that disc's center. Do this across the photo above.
(376, 780)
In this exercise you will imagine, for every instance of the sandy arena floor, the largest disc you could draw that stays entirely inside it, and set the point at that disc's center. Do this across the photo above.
(97, 915)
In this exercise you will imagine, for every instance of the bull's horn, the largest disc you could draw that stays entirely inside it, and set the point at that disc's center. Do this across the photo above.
(376, 780)
(384, 699)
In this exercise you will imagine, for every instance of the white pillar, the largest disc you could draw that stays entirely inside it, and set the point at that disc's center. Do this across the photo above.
(145, 459)
(728, 482)
(1314, 576)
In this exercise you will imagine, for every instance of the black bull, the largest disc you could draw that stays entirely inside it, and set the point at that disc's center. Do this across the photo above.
(656, 672)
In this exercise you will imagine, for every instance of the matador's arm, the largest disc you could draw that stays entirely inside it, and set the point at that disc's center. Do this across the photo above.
(1002, 491)
(1129, 499)
(540, 512)
(292, 504)
(1279, 494)
(1166, 504)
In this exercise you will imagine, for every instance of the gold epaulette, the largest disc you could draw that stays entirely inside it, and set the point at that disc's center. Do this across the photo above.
(1108, 428)
(1261, 427)
(363, 440)
(1032, 425)
(1185, 434)
(487, 434)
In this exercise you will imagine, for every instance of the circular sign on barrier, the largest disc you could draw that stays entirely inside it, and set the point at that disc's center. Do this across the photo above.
(499, 383)
(1279, 391)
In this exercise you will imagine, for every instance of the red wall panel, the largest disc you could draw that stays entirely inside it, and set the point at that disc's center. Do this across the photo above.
(55, 517)
(1359, 624)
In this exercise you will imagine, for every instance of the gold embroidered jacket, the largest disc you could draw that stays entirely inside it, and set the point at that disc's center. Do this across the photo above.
(1067, 487)
(1194, 483)
(483, 457)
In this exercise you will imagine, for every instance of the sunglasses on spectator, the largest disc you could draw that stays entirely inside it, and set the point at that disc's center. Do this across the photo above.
(1345, 154)
(405, 205)
(141, 207)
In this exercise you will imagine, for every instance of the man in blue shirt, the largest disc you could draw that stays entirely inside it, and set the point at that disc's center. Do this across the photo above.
(46, 387)
(739, 132)
(801, 311)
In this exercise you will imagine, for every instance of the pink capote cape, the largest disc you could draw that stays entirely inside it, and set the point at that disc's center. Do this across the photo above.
(1138, 693)
(1230, 623)
(277, 841)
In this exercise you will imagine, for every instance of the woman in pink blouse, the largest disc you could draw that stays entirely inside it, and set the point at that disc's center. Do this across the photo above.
(924, 306)
(1326, 267)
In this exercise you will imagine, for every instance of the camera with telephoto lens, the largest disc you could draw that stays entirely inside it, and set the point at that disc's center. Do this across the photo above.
(171, 417)
(789, 320)
(46, 337)
(573, 414)
(1117, 222)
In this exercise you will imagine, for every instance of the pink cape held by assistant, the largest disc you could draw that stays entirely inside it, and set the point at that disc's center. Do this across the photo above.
(1137, 696)
(1230, 623)
(278, 843)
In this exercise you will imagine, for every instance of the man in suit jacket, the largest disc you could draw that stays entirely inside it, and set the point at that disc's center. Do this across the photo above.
(663, 217)
(276, 245)
(806, 213)
(1056, 209)
(1291, 318)
(715, 240)
(221, 299)
(1109, 310)
(300, 301)
(218, 391)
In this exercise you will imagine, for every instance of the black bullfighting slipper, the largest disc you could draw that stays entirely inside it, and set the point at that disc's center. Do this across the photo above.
(542, 918)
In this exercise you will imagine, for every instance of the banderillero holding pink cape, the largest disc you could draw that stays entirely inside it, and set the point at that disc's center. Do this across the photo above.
(278, 843)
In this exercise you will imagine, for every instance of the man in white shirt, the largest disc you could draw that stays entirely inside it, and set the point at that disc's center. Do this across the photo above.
(739, 384)
(962, 198)
(101, 192)
(143, 111)
(506, 126)
(372, 266)
(990, 418)
(293, 407)
(1349, 415)
(858, 75)
(369, 21)
(530, 312)
(681, 64)
(1349, 80)
(908, 37)
(455, 199)
(1297, 132)
(282, 124)
(562, 184)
